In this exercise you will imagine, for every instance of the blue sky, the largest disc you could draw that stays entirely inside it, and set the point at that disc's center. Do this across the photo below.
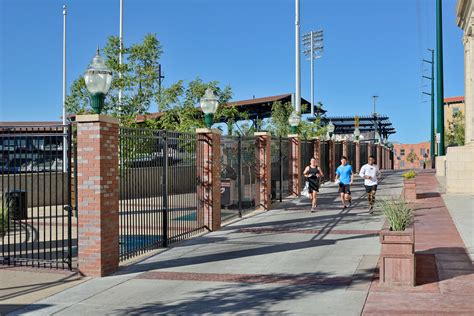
(371, 47)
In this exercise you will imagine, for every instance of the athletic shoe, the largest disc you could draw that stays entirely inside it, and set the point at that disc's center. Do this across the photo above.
(313, 210)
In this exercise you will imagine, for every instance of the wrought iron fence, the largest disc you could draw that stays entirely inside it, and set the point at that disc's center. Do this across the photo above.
(280, 155)
(158, 189)
(307, 152)
(36, 223)
(351, 154)
(364, 153)
(324, 159)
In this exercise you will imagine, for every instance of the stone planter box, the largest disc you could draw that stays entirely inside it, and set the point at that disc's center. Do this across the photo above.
(397, 258)
(409, 189)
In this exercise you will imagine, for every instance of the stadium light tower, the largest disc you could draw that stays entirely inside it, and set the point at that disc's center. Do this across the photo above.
(313, 42)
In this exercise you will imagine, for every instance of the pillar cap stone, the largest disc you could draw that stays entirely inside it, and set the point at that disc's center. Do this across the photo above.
(208, 131)
(89, 118)
(293, 135)
(262, 134)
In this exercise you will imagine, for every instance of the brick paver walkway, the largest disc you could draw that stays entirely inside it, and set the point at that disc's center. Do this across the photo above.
(445, 274)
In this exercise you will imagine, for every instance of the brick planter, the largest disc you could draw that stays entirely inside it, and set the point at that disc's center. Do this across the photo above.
(409, 189)
(397, 258)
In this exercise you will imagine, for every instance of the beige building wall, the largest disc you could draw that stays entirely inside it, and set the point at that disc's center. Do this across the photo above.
(451, 106)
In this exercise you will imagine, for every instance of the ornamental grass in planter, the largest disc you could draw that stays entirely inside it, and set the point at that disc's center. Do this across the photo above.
(409, 185)
(397, 258)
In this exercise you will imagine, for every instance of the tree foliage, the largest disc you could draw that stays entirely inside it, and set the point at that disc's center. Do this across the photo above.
(412, 157)
(455, 133)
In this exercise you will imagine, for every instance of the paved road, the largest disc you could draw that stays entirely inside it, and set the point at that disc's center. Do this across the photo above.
(285, 261)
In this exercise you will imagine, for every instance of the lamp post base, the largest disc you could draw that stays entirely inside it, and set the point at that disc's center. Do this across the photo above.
(208, 119)
(97, 102)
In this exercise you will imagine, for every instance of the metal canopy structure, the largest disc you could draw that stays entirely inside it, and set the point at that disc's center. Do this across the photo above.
(261, 108)
(369, 123)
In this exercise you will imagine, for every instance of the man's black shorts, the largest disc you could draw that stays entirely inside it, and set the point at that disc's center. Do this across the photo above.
(344, 188)
(370, 188)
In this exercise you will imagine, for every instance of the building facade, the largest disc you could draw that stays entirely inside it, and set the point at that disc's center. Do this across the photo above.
(452, 106)
(411, 156)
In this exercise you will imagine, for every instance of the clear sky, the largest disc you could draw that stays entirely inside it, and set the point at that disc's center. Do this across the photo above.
(371, 47)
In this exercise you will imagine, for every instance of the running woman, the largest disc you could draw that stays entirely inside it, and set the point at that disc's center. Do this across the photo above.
(345, 177)
(313, 175)
(371, 174)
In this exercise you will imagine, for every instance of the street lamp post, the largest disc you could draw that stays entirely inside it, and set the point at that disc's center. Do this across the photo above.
(98, 79)
(294, 120)
(209, 106)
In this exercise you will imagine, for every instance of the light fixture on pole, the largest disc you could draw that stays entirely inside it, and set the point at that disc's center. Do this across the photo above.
(209, 106)
(356, 134)
(313, 41)
(294, 120)
(377, 138)
(331, 128)
(98, 78)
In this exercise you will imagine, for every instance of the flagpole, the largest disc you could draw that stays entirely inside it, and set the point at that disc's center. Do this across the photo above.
(65, 141)
(121, 52)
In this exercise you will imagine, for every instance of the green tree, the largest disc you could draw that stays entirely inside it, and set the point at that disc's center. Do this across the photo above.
(455, 133)
(278, 123)
(139, 81)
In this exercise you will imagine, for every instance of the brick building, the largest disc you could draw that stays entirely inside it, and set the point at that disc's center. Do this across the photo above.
(411, 156)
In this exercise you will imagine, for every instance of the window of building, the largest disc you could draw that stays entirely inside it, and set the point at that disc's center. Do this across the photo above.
(412, 150)
(455, 110)
(402, 164)
(402, 152)
(422, 152)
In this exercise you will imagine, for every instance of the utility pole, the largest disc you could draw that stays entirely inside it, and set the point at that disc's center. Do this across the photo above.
(65, 141)
(160, 77)
(439, 76)
(314, 48)
(120, 53)
(297, 59)
(432, 94)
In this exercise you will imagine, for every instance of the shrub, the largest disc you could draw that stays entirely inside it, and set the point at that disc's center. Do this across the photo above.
(409, 175)
(398, 213)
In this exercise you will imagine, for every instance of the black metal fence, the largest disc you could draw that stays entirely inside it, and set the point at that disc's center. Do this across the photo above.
(364, 153)
(351, 154)
(36, 223)
(324, 159)
(280, 155)
(307, 152)
(158, 189)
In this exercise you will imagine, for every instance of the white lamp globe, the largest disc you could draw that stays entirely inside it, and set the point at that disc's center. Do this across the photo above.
(331, 127)
(98, 77)
(357, 132)
(209, 102)
(294, 119)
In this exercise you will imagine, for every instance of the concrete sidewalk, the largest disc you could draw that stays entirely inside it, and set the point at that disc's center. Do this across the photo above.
(285, 261)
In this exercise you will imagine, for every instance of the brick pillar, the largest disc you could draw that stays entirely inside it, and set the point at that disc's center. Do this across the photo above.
(209, 176)
(332, 160)
(317, 150)
(295, 164)
(357, 156)
(263, 165)
(379, 156)
(98, 194)
(369, 150)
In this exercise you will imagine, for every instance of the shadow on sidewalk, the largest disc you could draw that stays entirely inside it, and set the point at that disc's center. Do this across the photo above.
(254, 298)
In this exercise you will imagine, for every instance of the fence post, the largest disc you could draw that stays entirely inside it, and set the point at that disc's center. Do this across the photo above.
(295, 164)
(317, 150)
(98, 194)
(357, 156)
(263, 171)
(208, 164)
(379, 156)
(332, 160)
